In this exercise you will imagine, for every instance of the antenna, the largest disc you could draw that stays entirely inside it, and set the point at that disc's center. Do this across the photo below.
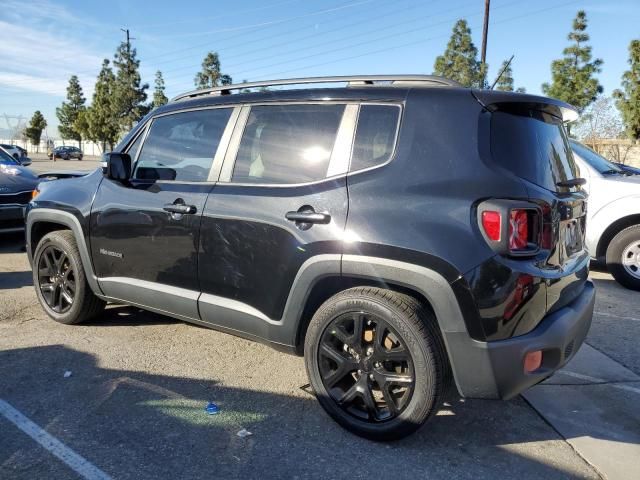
(504, 69)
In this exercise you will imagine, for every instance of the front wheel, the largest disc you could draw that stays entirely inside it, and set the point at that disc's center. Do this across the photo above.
(60, 282)
(376, 360)
(623, 257)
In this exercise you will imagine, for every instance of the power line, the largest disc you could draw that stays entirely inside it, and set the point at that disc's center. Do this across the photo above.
(349, 46)
(295, 40)
(386, 49)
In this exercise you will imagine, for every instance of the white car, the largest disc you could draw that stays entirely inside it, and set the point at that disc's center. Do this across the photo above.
(613, 215)
(16, 153)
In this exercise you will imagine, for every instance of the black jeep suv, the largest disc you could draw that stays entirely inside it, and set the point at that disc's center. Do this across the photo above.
(397, 231)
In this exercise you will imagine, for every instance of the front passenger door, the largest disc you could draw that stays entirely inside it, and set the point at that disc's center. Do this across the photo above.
(145, 232)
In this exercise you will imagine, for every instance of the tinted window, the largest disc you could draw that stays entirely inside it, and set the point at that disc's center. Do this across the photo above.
(182, 146)
(7, 159)
(375, 135)
(287, 143)
(601, 164)
(533, 146)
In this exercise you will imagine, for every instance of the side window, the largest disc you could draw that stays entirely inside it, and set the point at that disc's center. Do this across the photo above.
(287, 143)
(375, 135)
(181, 146)
(135, 146)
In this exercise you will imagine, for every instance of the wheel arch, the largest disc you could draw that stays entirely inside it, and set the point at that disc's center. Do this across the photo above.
(424, 284)
(612, 230)
(41, 221)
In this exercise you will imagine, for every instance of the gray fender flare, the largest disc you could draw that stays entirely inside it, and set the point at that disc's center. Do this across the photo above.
(70, 221)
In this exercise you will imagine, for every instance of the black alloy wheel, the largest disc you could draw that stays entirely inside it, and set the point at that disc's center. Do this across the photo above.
(56, 279)
(365, 367)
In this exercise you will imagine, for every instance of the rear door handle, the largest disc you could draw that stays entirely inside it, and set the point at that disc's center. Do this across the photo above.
(180, 208)
(308, 217)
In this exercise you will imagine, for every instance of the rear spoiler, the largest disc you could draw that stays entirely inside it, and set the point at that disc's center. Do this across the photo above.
(494, 100)
(59, 174)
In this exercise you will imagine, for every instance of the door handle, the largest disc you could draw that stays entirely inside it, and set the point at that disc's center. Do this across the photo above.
(308, 217)
(180, 208)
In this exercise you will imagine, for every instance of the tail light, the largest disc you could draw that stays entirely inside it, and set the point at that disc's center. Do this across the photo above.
(511, 227)
(492, 224)
(518, 229)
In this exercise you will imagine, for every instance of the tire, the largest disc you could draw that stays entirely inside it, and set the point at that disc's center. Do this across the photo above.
(408, 330)
(47, 266)
(623, 257)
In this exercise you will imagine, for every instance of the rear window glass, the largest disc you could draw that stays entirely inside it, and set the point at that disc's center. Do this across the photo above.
(533, 146)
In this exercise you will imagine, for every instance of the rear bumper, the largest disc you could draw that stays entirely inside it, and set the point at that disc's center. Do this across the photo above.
(495, 369)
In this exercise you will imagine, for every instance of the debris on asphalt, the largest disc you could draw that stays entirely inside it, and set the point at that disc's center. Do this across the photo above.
(212, 409)
(244, 433)
(67, 374)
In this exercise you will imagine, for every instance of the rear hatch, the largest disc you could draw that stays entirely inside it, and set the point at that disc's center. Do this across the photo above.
(529, 140)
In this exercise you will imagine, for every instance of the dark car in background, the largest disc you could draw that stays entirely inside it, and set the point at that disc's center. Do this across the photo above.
(66, 153)
(17, 184)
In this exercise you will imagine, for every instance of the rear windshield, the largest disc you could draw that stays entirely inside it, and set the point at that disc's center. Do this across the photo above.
(534, 146)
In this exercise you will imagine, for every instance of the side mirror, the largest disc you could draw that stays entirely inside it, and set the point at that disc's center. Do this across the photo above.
(118, 166)
(25, 161)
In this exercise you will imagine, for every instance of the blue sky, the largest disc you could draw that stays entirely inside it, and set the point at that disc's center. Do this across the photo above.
(44, 42)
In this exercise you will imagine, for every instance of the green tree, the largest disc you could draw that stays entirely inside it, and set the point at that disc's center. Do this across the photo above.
(628, 100)
(210, 76)
(572, 76)
(100, 123)
(159, 98)
(34, 131)
(129, 94)
(460, 60)
(68, 112)
(505, 82)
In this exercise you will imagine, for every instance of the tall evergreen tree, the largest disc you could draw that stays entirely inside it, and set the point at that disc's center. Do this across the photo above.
(460, 60)
(159, 98)
(628, 100)
(505, 82)
(34, 131)
(573, 76)
(210, 76)
(68, 112)
(100, 123)
(130, 94)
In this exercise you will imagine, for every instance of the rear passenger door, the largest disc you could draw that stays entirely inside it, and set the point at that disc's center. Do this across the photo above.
(280, 201)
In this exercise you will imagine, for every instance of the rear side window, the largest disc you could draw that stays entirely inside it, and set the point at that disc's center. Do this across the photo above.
(285, 144)
(375, 136)
(534, 146)
(181, 146)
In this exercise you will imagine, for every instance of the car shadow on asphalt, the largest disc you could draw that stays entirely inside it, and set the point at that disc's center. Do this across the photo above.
(11, 280)
(138, 425)
(12, 242)
(128, 316)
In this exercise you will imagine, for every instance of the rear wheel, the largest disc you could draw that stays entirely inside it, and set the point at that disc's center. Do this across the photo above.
(60, 282)
(623, 257)
(376, 361)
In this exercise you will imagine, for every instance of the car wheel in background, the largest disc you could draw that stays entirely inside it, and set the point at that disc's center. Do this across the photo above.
(623, 257)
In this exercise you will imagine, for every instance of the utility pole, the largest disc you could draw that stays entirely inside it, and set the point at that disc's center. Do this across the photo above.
(485, 31)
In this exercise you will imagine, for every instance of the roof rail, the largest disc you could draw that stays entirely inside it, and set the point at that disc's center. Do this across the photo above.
(351, 80)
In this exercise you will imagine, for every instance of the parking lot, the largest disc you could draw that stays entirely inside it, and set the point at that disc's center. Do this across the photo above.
(133, 404)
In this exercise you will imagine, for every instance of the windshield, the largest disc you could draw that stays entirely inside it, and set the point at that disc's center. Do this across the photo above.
(6, 159)
(601, 164)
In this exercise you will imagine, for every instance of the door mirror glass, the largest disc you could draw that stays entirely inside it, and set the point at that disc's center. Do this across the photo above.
(118, 166)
